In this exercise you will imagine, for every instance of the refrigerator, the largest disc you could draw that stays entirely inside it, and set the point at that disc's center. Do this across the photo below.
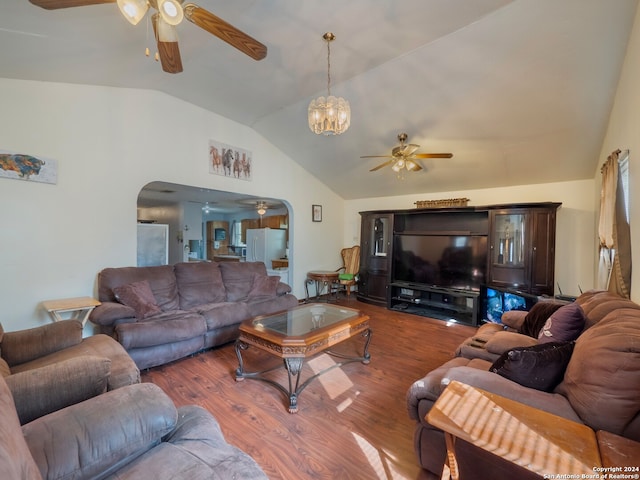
(265, 244)
(153, 244)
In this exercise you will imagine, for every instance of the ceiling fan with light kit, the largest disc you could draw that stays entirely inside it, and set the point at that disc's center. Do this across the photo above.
(404, 156)
(170, 13)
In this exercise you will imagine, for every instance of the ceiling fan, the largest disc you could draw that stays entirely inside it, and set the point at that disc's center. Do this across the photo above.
(404, 156)
(170, 13)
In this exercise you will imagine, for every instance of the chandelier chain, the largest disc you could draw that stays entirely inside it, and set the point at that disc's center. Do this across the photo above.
(328, 68)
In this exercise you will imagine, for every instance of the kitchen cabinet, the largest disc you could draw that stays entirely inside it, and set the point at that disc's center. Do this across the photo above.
(217, 247)
(375, 257)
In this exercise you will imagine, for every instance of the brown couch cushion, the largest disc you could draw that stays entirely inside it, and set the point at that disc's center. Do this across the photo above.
(602, 381)
(564, 325)
(138, 295)
(199, 283)
(540, 366)
(44, 390)
(238, 278)
(15, 457)
(167, 328)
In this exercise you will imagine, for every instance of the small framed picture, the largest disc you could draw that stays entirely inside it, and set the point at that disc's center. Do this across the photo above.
(317, 213)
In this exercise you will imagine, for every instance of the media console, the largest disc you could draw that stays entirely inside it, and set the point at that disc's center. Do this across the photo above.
(435, 262)
(436, 302)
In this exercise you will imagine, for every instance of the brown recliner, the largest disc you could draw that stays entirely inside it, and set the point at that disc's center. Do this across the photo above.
(52, 366)
(133, 432)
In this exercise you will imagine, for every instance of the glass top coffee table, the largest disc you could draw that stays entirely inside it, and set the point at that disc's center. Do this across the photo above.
(300, 333)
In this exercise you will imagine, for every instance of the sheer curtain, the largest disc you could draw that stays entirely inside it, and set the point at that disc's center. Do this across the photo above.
(614, 270)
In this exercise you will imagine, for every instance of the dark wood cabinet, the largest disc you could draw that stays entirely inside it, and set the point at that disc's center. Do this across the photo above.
(522, 248)
(375, 257)
(511, 246)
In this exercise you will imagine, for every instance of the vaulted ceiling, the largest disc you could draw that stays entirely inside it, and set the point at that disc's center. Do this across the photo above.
(519, 91)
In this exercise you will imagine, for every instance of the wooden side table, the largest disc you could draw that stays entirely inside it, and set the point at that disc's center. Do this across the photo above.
(619, 453)
(539, 442)
(79, 307)
(323, 279)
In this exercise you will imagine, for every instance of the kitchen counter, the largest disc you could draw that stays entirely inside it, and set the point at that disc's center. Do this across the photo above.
(227, 258)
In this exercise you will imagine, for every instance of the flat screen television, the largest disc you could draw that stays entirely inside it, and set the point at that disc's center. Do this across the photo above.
(449, 261)
(495, 301)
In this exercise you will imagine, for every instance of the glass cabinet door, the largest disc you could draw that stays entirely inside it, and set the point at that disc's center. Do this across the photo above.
(508, 239)
(380, 236)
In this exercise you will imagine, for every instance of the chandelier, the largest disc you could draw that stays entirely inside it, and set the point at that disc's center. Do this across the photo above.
(330, 115)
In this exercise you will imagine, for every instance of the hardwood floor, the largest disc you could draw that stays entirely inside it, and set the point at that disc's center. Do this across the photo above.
(352, 421)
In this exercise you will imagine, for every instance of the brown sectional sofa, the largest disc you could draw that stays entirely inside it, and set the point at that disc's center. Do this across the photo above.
(133, 432)
(198, 305)
(600, 386)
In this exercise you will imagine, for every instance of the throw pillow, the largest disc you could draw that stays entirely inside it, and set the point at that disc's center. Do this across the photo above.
(541, 366)
(264, 286)
(564, 325)
(537, 317)
(138, 295)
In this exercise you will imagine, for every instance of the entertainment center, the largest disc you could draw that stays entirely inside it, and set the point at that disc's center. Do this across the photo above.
(443, 262)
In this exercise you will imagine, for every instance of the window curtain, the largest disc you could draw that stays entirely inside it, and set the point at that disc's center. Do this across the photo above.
(614, 270)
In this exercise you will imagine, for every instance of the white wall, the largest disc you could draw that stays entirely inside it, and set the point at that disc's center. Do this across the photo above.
(575, 237)
(109, 143)
(624, 133)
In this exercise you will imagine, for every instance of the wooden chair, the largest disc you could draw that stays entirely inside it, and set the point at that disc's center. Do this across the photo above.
(348, 276)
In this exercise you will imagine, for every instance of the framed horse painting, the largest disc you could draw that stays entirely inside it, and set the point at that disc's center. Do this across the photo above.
(229, 161)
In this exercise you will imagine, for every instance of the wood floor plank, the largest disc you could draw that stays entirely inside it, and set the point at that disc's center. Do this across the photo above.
(352, 421)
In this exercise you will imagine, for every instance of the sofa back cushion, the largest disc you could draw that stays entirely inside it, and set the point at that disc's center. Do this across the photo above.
(199, 283)
(597, 304)
(238, 278)
(601, 381)
(162, 281)
(15, 458)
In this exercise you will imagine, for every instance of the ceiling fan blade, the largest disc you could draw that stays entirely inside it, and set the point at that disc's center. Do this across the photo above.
(224, 31)
(376, 156)
(433, 155)
(414, 166)
(389, 162)
(55, 4)
(409, 149)
(168, 49)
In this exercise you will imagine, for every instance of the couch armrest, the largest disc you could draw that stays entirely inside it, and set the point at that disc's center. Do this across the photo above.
(429, 387)
(500, 342)
(282, 289)
(107, 313)
(26, 345)
(46, 389)
(96, 437)
(492, 382)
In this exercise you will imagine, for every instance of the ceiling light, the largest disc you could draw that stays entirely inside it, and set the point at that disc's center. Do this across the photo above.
(261, 208)
(171, 11)
(133, 10)
(330, 115)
